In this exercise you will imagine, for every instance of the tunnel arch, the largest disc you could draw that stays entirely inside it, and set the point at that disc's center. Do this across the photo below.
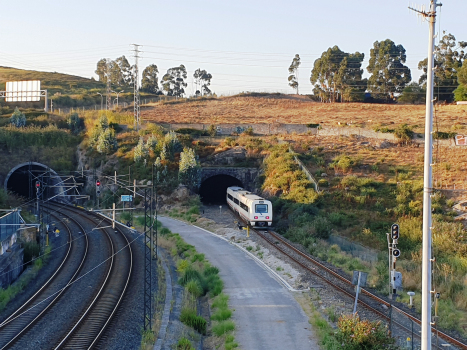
(20, 183)
(213, 189)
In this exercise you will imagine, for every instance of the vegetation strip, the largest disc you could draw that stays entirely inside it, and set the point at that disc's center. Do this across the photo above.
(200, 278)
(167, 307)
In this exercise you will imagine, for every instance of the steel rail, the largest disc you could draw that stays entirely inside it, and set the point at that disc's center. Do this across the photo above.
(442, 335)
(87, 330)
(22, 329)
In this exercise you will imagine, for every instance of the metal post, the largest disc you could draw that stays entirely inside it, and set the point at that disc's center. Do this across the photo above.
(147, 266)
(358, 289)
(46, 107)
(113, 216)
(390, 264)
(427, 184)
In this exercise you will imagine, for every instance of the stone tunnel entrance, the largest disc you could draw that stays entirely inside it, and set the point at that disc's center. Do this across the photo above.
(214, 188)
(18, 180)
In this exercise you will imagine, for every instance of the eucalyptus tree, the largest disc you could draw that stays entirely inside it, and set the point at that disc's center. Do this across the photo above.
(449, 57)
(173, 82)
(460, 93)
(389, 75)
(150, 81)
(337, 76)
(202, 81)
(293, 72)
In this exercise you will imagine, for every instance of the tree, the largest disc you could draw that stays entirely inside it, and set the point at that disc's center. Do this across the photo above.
(171, 146)
(189, 172)
(388, 73)
(293, 71)
(337, 75)
(140, 151)
(149, 83)
(122, 70)
(173, 81)
(413, 93)
(448, 58)
(18, 119)
(75, 123)
(460, 94)
(202, 81)
(107, 142)
(101, 70)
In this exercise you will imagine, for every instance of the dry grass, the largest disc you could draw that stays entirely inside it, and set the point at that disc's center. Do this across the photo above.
(450, 162)
(289, 109)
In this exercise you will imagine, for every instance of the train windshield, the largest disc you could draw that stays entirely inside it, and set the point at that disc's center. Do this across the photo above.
(261, 208)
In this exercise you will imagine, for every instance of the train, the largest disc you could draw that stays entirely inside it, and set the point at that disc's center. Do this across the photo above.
(253, 209)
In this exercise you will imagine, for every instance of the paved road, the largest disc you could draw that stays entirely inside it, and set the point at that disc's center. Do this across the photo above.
(266, 314)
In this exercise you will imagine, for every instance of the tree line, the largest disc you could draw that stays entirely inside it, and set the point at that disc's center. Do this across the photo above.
(337, 76)
(173, 83)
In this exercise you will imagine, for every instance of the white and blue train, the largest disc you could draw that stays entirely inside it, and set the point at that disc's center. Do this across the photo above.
(253, 209)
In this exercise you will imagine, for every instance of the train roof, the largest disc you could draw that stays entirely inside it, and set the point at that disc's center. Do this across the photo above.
(244, 193)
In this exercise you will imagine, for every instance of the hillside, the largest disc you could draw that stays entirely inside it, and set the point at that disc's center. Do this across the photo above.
(52, 81)
(290, 109)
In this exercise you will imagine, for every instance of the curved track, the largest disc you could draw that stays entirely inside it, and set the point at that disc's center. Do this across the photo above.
(18, 323)
(344, 285)
(86, 331)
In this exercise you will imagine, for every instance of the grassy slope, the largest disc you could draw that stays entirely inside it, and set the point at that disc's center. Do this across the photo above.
(53, 82)
(295, 110)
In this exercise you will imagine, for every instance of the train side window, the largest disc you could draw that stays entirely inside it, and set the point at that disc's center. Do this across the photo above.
(261, 208)
(236, 201)
(230, 197)
(244, 206)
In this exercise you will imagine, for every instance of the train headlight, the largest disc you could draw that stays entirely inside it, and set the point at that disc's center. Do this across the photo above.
(256, 217)
(267, 217)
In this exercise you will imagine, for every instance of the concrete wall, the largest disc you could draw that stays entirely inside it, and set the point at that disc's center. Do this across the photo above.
(11, 265)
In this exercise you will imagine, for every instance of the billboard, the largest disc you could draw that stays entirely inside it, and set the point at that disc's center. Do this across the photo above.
(23, 91)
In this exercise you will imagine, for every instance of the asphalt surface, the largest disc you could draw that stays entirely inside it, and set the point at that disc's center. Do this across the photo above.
(266, 314)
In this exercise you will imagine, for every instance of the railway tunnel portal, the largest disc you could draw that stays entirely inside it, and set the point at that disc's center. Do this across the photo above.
(22, 178)
(215, 180)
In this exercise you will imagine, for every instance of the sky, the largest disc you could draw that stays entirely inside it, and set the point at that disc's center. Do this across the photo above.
(245, 45)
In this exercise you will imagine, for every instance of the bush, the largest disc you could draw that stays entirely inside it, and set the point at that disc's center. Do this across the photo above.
(321, 226)
(189, 317)
(323, 182)
(404, 133)
(223, 327)
(354, 334)
(184, 344)
(222, 315)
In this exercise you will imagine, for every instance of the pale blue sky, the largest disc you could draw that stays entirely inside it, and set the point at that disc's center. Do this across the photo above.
(246, 45)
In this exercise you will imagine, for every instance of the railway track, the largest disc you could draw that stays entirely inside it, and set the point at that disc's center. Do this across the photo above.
(368, 300)
(16, 325)
(89, 327)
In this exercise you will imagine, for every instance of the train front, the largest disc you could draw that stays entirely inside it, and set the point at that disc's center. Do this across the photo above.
(261, 214)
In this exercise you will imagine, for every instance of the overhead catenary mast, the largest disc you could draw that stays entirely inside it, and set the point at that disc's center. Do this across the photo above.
(430, 16)
(136, 87)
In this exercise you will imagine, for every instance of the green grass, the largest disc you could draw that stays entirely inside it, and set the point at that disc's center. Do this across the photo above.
(223, 327)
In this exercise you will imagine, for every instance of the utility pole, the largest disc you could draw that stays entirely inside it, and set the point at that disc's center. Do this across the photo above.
(108, 92)
(428, 181)
(136, 87)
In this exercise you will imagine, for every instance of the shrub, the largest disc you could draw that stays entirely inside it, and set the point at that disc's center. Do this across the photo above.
(194, 288)
(404, 133)
(321, 226)
(323, 182)
(223, 327)
(189, 317)
(184, 344)
(18, 119)
(222, 315)
(355, 334)
(344, 162)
